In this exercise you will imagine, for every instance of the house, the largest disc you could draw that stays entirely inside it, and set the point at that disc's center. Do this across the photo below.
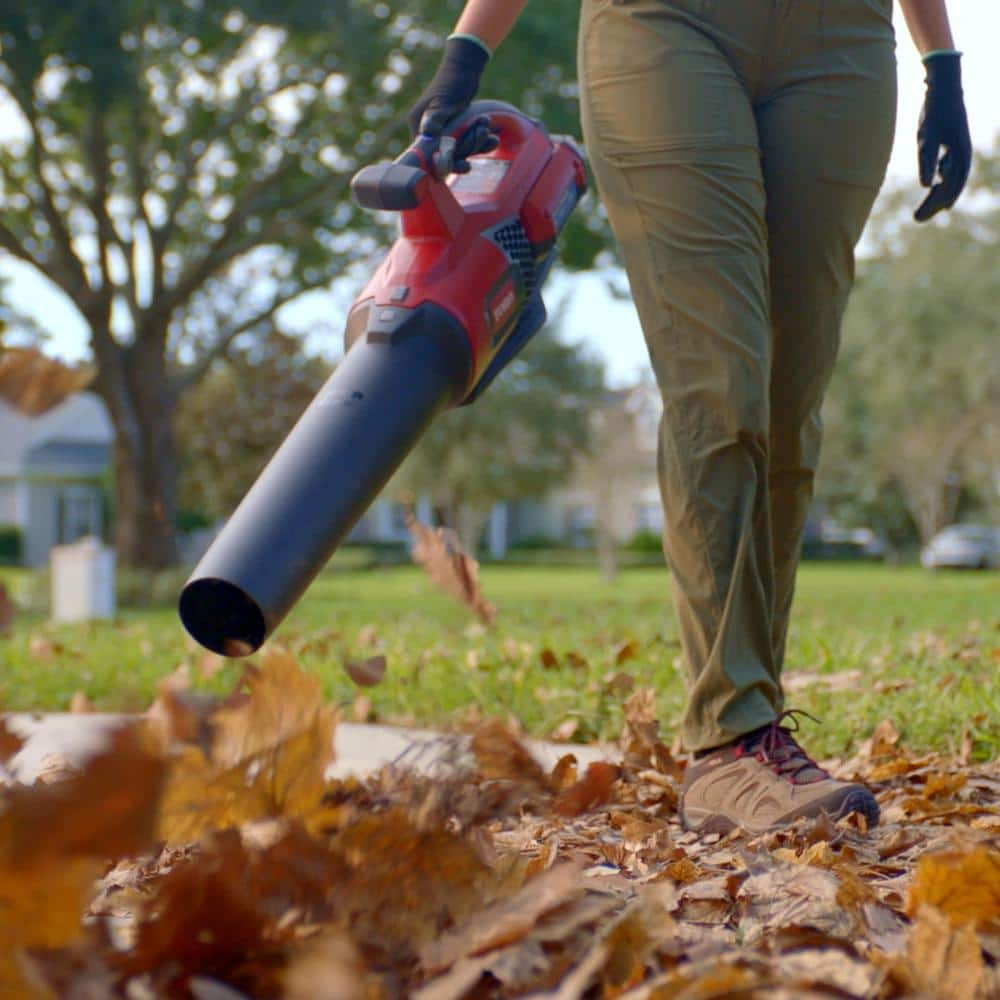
(51, 470)
(614, 491)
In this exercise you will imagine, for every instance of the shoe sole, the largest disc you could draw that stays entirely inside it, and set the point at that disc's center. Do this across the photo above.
(859, 801)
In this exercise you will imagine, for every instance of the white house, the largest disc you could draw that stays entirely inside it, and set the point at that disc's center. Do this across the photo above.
(51, 468)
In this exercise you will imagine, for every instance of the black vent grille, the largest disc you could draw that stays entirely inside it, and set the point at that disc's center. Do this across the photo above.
(512, 239)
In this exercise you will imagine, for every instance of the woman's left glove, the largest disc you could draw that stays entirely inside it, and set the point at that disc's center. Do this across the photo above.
(943, 123)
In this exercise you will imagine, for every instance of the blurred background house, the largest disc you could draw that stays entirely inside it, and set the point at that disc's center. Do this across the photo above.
(53, 469)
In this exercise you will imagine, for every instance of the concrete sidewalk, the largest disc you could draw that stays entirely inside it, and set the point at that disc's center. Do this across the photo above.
(359, 749)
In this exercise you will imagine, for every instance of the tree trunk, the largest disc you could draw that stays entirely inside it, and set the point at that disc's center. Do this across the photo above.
(471, 522)
(137, 393)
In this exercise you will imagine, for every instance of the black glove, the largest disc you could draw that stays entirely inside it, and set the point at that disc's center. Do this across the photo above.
(451, 91)
(943, 123)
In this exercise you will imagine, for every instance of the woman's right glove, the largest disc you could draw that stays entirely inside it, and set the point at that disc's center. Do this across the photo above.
(943, 123)
(452, 89)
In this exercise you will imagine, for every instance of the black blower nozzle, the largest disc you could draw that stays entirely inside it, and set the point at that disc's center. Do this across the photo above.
(343, 450)
(454, 300)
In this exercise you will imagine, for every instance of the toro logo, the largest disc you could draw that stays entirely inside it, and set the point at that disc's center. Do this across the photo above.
(503, 302)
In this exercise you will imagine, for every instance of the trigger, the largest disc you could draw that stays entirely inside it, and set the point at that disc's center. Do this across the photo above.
(444, 157)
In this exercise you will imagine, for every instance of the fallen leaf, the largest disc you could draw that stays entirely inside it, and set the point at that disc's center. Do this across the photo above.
(439, 552)
(329, 967)
(506, 920)
(108, 810)
(565, 731)
(548, 659)
(42, 649)
(564, 772)
(10, 742)
(591, 791)
(942, 960)
(41, 905)
(80, 704)
(884, 739)
(845, 680)
(964, 885)
(626, 651)
(366, 673)
(501, 756)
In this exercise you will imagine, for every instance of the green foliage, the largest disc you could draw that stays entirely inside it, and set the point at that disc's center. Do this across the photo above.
(183, 169)
(10, 543)
(913, 414)
(645, 541)
(230, 424)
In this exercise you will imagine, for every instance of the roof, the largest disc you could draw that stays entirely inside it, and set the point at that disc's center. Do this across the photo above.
(66, 440)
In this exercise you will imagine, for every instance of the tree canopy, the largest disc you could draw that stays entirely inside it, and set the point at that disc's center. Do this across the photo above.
(181, 171)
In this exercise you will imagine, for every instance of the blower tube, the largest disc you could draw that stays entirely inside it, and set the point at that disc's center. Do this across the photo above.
(340, 454)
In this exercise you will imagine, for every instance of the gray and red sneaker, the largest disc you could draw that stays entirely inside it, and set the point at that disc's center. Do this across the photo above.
(762, 781)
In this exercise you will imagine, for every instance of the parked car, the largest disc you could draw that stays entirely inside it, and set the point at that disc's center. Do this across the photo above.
(964, 546)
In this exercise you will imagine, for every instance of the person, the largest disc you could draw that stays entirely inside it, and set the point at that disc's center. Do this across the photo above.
(738, 148)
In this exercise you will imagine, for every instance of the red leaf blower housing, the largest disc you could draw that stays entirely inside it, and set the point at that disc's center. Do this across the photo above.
(457, 297)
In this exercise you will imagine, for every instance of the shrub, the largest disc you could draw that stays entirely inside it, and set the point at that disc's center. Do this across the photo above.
(645, 541)
(10, 544)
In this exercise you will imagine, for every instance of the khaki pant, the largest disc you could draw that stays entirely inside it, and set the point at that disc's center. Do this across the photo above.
(738, 146)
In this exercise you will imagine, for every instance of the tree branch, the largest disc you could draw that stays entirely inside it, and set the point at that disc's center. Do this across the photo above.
(191, 375)
(69, 274)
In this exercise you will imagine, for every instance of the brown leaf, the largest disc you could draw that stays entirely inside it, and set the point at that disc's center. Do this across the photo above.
(548, 659)
(41, 905)
(285, 779)
(963, 884)
(283, 701)
(368, 672)
(620, 684)
(42, 649)
(591, 791)
(565, 731)
(884, 739)
(943, 961)
(449, 568)
(7, 610)
(505, 921)
(10, 742)
(179, 715)
(107, 811)
(564, 772)
(501, 756)
(80, 704)
(626, 651)
(329, 967)
(35, 384)
(209, 664)
(575, 660)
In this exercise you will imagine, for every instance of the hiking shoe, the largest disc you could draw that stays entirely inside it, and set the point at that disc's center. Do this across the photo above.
(762, 781)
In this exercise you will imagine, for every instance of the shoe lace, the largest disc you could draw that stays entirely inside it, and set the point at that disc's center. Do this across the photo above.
(775, 744)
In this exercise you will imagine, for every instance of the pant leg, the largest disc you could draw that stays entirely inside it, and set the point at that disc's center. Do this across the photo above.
(673, 146)
(826, 120)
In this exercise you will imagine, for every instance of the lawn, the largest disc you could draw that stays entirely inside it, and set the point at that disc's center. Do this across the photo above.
(926, 648)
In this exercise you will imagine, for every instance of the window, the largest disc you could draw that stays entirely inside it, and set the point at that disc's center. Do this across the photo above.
(78, 509)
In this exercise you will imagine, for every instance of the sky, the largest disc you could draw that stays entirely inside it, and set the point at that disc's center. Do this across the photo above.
(605, 326)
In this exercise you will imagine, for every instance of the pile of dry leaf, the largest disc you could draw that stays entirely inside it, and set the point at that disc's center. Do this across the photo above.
(209, 857)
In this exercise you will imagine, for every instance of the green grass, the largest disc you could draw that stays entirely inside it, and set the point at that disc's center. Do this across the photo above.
(927, 646)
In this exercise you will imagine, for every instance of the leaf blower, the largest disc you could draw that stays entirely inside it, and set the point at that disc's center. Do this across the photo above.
(457, 297)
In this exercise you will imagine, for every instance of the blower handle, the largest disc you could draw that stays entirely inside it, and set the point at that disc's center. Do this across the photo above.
(403, 184)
